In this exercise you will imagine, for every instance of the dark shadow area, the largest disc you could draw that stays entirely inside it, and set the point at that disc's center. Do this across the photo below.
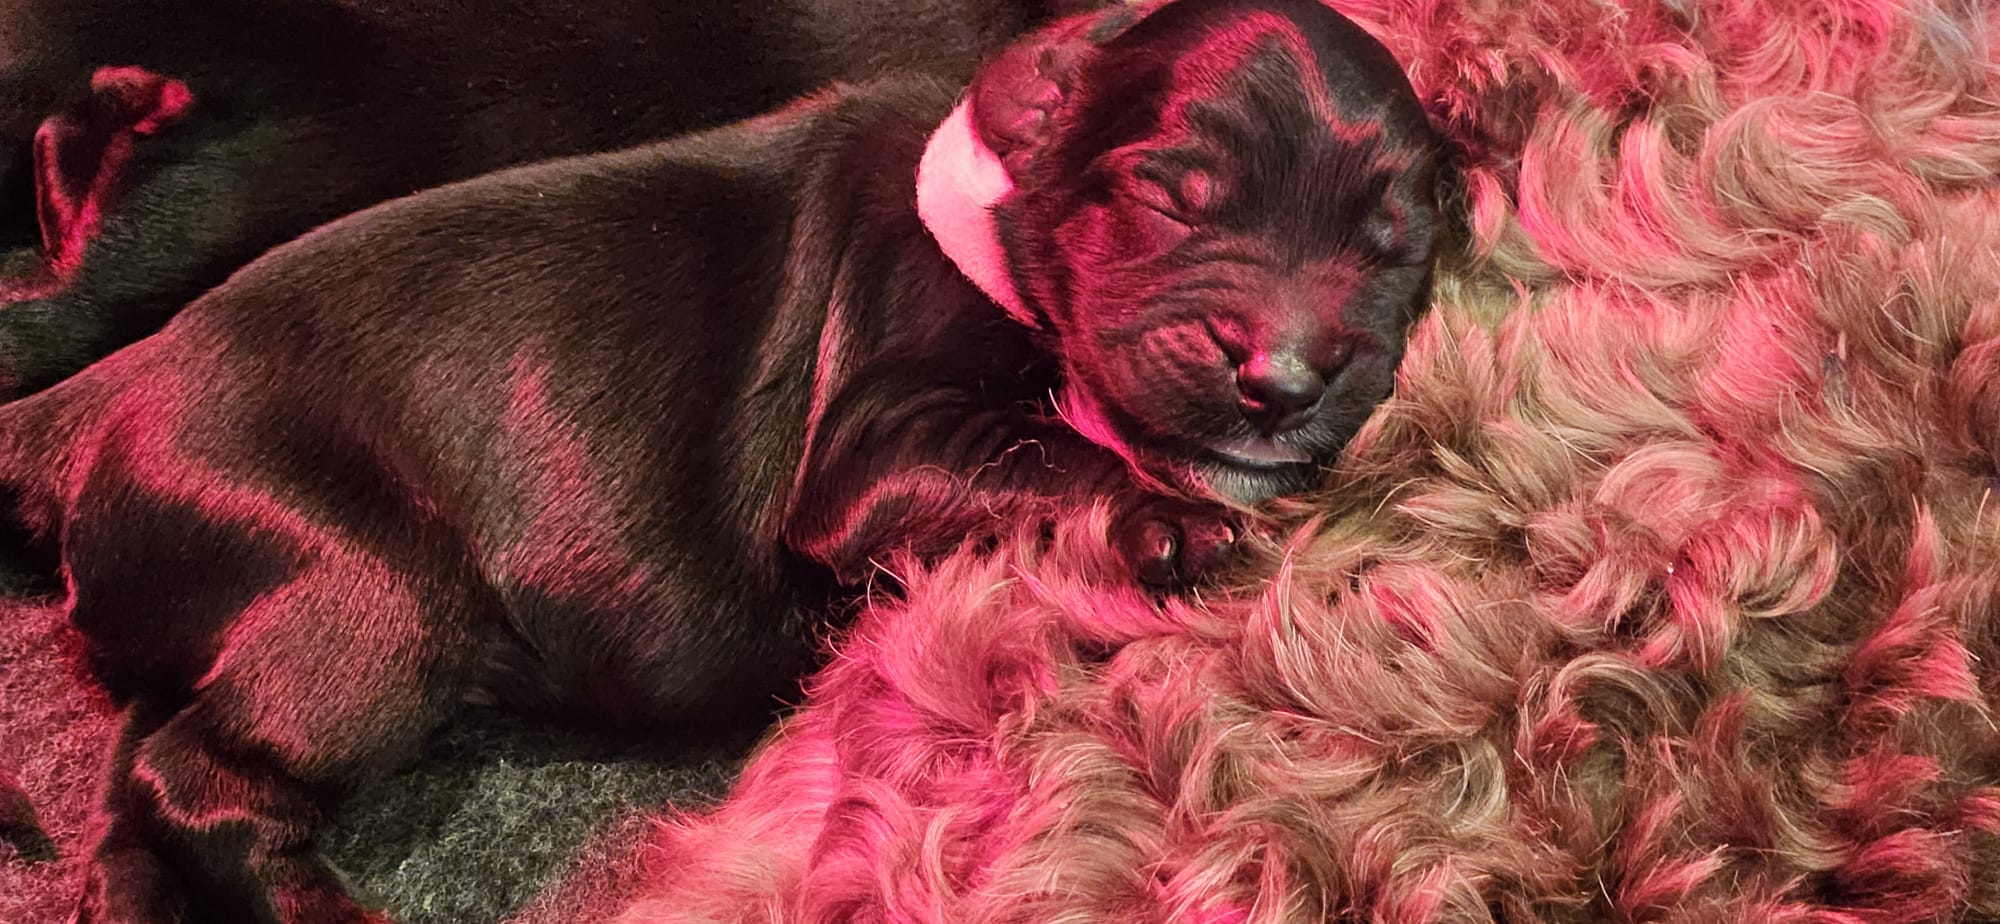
(18, 226)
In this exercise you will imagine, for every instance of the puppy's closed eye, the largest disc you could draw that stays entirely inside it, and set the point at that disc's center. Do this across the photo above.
(1184, 190)
(1386, 236)
(1378, 231)
(1195, 190)
(1150, 218)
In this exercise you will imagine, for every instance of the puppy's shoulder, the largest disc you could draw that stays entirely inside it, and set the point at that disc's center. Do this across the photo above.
(892, 109)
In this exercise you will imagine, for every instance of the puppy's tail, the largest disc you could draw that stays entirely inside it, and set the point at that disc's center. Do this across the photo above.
(37, 442)
(37, 439)
(27, 564)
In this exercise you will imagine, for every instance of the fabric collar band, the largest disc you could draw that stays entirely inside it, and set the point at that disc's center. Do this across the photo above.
(958, 182)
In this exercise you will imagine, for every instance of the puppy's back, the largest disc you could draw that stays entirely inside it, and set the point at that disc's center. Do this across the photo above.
(621, 342)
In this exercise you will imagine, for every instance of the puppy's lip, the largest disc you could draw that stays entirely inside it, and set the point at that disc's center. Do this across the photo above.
(1250, 484)
(1259, 452)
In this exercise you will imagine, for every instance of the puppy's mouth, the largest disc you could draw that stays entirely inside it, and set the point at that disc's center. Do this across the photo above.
(1252, 482)
(1241, 469)
(1258, 453)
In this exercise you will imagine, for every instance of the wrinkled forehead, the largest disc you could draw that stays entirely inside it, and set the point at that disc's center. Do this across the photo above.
(1262, 63)
(1254, 80)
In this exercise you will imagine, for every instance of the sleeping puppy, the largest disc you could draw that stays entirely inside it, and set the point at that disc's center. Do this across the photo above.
(588, 439)
(148, 148)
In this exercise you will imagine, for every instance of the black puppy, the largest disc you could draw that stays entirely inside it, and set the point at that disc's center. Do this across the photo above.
(148, 148)
(587, 438)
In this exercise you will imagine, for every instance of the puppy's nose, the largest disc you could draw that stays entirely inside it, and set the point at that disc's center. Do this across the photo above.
(1278, 390)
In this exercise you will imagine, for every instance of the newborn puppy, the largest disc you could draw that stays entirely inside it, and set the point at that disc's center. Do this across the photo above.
(148, 148)
(589, 438)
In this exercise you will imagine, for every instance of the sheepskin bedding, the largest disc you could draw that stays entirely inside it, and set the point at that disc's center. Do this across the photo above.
(1664, 590)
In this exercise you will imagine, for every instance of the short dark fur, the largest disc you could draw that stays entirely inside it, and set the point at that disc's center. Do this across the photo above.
(1307, 258)
(589, 439)
(307, 110)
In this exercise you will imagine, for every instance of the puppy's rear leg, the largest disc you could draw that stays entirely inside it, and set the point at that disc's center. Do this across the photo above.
(323, 683)
(126, 881)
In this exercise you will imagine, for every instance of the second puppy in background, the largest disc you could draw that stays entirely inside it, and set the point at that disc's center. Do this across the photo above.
(593, 439)
(149, 148)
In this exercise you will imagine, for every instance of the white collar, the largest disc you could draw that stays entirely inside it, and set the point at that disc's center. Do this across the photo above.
(958, 182)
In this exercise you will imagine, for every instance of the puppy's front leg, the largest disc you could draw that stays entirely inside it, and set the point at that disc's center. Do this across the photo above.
(944, 468)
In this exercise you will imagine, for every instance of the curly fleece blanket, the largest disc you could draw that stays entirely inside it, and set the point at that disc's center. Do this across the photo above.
(1667, 587)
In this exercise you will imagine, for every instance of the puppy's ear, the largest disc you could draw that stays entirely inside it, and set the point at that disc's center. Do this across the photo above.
(80, 155)
(1017, 96)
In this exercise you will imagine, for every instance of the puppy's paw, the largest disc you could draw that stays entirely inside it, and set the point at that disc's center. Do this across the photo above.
(1169, 544)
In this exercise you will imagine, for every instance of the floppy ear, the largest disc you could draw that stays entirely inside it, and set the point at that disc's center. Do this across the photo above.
(80, 155)
(984, 150)
(1016, 97)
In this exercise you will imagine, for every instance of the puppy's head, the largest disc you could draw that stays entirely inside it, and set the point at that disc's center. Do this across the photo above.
(1224, 213)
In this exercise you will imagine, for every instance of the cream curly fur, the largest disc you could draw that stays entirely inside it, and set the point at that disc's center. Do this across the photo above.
(1666, 588)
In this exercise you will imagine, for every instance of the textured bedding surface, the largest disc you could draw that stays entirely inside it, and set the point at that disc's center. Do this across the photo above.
(493, 813)
(1663, 589)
